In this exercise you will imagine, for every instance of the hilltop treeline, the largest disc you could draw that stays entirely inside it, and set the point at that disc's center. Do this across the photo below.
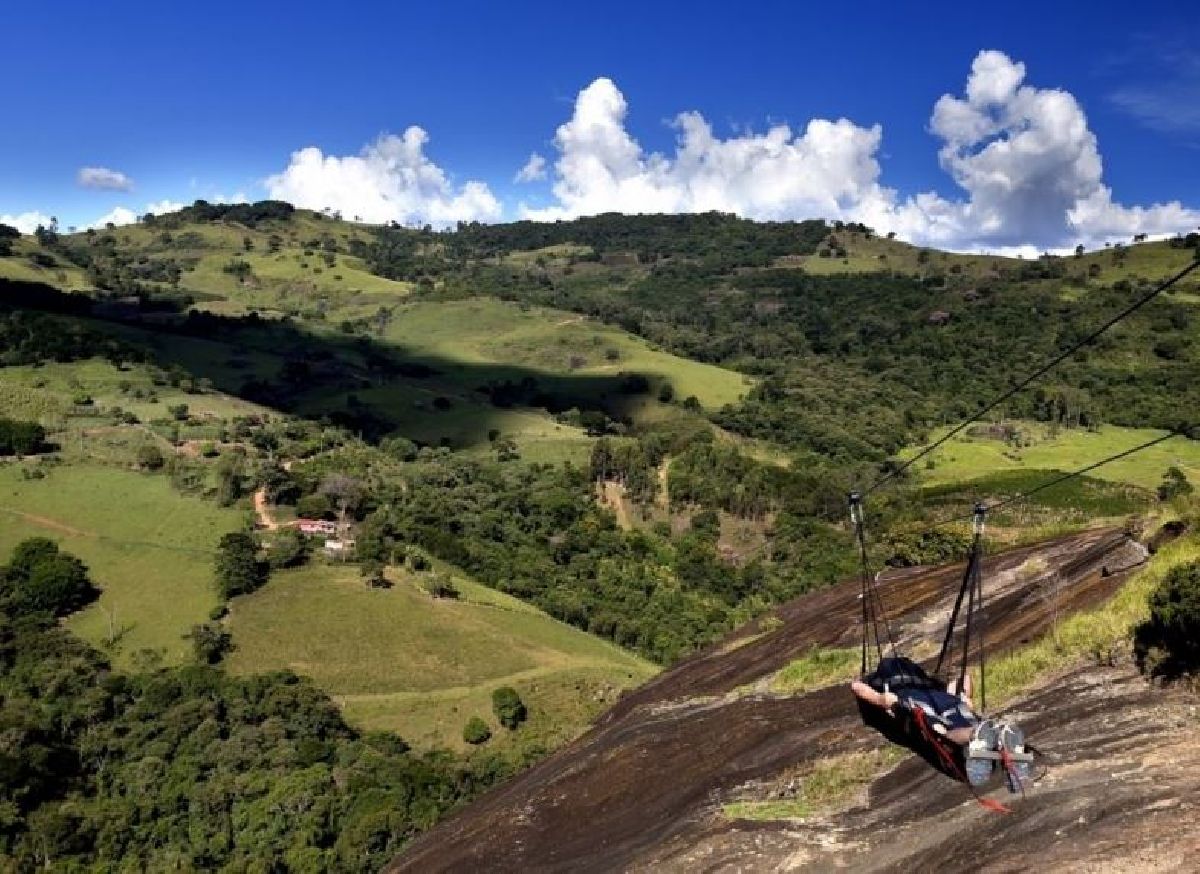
(713, 242)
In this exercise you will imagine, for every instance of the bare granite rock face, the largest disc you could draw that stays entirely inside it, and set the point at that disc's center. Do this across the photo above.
(644, 788)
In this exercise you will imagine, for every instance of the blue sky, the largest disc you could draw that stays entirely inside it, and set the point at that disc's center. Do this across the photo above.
(211, 100)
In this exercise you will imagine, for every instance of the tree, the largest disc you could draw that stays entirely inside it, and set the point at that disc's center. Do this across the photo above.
(347, 494)
(210, 642)
(1168, 643)
(230, 470)
(508, 707)
(476, 731)
(238, 569)
(20, 438)
(666, 392)
(288, 548)
(1174, 485)
(42, 579)
(315, 506)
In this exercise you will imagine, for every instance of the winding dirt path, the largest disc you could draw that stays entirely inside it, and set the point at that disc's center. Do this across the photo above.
(47, 522)
(262, 510)
(614, 498)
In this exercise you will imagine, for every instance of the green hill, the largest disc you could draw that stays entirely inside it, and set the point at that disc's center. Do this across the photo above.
(400, 660)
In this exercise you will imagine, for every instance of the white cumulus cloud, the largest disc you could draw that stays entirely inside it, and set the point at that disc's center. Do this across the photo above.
(104, 179)
(123, 215)
(118, 216)
(390, 180)
(533, 171)
(1024, 157)
(1030, 167)
(821, 171)
(162, 207)
(26, 222)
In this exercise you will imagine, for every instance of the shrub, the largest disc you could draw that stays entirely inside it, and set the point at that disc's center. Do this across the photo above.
(907, 548)
(373, 575)
(476, 731)
(150, 457)
(209, 643)
(417, 560)
(441, 586)
(1168, 643)
(1174, 485)
(508, 707)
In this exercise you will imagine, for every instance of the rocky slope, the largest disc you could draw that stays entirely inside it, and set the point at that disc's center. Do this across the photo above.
(644, 789)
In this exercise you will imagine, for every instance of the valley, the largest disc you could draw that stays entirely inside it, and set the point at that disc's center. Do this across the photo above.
(555, 459)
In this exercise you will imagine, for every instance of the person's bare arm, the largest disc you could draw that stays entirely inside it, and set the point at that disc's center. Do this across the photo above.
(879, 699)
(965, 693)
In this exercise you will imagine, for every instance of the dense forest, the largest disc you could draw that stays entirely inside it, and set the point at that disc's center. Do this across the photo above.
(189, 768)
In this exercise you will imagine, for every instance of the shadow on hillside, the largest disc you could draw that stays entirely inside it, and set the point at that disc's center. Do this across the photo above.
(355, 381)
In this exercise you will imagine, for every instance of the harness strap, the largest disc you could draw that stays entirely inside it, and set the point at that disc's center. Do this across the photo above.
(971, 591)
(873, 613)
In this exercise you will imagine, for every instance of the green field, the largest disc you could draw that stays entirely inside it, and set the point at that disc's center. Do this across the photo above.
(869, 254)
(19, 266)
(45, 393)
(149, 550)
(398, 659)
(967, 457)
(278, 280)
(548, 341)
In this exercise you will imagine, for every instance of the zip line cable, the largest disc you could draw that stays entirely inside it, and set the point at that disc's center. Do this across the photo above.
(1037, 374)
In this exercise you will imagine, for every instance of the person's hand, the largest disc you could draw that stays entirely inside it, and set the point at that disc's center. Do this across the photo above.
(889, 701)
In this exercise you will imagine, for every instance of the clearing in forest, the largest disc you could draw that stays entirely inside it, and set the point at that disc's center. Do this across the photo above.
(148, 548)
(983, 450)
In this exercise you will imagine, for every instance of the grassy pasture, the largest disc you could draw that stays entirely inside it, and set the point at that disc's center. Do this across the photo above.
(1151, 261)
(488, 331)
(398, 659)
(46, 393)
(874, 254)
(149, 550)
(19, 266)
(967, 457)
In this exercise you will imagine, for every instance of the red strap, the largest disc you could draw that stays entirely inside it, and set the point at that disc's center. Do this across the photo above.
(1010, 766)
(947, 758)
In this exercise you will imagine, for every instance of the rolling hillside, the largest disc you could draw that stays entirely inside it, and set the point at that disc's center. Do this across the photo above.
(399, 660)
(617, 439)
